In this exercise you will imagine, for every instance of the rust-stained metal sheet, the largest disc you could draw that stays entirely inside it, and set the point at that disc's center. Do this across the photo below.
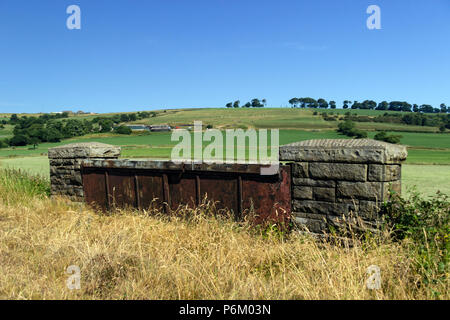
(142, 184)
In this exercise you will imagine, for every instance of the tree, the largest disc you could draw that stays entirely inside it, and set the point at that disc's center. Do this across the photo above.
(333, 104)
(123, 130)
(19, 140)
(264, 102)
(256, 103)
(346, 104)
(106, 125)
(34, 141)
(124, 117)
(236, 104)
(443, 108)
(132, 117)
(229, 105)
(322, 103)
(247, 105)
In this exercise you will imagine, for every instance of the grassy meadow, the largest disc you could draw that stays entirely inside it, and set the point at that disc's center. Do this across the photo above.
(192, 254)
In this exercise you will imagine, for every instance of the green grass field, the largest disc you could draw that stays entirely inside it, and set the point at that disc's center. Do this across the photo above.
(295, 125)
(427, 178)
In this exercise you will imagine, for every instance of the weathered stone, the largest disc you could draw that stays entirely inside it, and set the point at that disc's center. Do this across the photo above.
(325, 194)
(300, 170)
(392, 187)
(321, 207)
(310, 225)
(313, 183)
(360, 190)
(378, 172)
(343, 150)
(338, 171)
(300, 192)
(368, 209)
(84, 150)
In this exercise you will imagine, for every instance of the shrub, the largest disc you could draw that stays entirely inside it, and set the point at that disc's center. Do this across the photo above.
(123, 130)
(348, 128)
(383, 136)
(426, 223)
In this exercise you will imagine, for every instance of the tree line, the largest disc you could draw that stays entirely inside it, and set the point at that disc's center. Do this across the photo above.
(255, 103)
(56, 127)
(369, 105)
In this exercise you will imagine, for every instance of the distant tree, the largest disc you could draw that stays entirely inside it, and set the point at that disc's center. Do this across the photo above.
(247, 105)
(124, 117)
(322, 103)
(333, 104)
(34, 141)
(236, 104)
(264, 102)
(443, 108)
(346, 104)
(383, 136)
(293, 102)
(123, 130)
(106, 125)
(14, 119)
(132, 117)
(229, 105)
(415, 108)
(256, 103)
(19, 140)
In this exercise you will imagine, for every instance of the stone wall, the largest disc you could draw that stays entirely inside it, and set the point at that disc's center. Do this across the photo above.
(336, 182)
(331, 180)
(65, 166)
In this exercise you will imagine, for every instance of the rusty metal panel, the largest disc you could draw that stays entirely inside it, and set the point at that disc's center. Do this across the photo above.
(121, 189)
(222, 189)
(268, 196)
(240, 190)
(95, 188)
(150, 189)
(182, 190)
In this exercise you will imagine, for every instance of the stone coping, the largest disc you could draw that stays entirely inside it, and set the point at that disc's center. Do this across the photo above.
(343, 150)
(84, 150)
(147, 164)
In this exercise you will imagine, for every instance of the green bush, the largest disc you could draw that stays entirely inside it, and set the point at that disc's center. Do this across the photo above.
(426, 224)
(348, 128)
(383, 136)
(123, 130)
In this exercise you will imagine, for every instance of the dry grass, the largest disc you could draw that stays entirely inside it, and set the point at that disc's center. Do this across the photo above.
(190, 256)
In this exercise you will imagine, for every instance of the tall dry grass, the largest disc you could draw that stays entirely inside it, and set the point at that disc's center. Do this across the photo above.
(190, 255)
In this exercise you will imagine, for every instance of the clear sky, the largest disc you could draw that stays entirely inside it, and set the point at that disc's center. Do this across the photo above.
(154, 54)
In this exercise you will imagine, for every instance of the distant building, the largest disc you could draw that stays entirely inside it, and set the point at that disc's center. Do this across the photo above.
(160, 128)
(136, 127)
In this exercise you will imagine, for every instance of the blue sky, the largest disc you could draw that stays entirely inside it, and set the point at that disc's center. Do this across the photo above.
(154, 54)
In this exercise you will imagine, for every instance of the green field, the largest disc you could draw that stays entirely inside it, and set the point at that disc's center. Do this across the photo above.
(427, 178)
(424, 147)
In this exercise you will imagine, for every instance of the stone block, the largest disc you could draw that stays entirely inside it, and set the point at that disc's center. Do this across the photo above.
(84, 150)
(378, 172)
(300, 170)
(322, 207)
(338, 171)
(343, 150)
(300, 192)
(313, 182)
(360, 190)
(324, 194)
